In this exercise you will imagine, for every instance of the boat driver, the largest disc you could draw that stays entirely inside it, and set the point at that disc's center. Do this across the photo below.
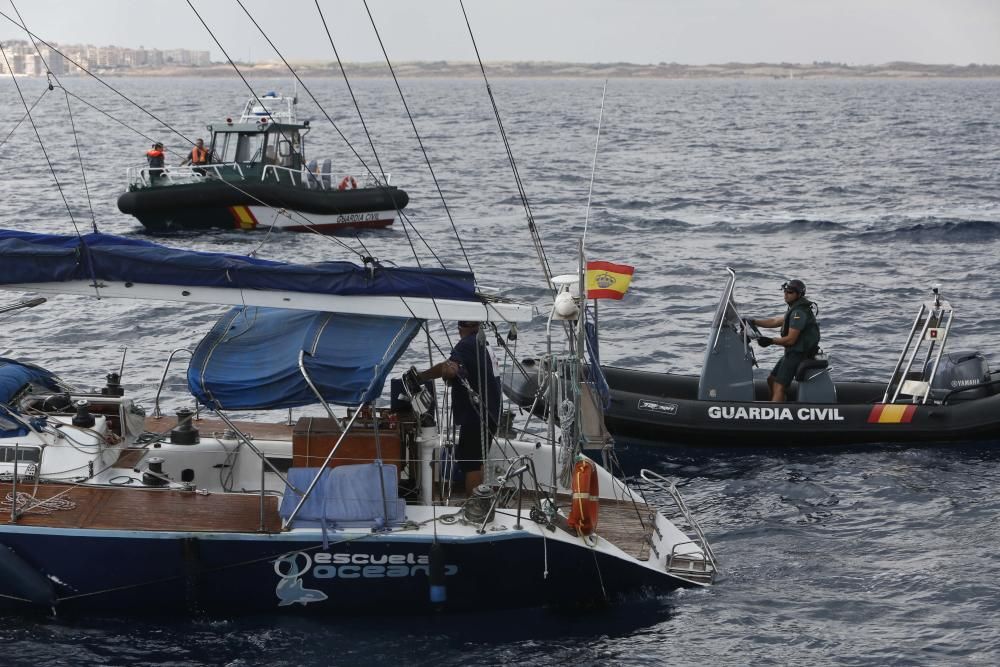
(799, 336)
(475, 399)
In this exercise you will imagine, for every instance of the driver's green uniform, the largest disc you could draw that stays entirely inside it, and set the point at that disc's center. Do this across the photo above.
(799, 316)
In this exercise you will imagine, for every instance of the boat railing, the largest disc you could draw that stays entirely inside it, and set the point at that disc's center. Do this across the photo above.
(934, 320)
(163, 378)
(141, 177)
(315, 180)
(675, 558)
(296, 177)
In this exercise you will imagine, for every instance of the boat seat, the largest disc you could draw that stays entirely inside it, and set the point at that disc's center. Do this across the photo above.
(804, 371)
(325, 173)
(311, 180)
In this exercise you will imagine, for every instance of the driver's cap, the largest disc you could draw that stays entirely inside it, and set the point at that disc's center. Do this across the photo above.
(796, 285)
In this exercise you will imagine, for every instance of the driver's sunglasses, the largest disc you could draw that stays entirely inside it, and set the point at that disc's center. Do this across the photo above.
(791, 291)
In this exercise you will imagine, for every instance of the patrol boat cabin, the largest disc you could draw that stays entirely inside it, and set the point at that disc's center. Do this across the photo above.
(257, 176)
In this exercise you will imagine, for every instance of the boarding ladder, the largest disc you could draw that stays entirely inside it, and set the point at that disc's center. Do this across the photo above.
(683, 564)
(933, 322)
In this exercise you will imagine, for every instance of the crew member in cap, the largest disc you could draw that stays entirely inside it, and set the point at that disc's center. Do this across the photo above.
(475, 398)
(799, 336)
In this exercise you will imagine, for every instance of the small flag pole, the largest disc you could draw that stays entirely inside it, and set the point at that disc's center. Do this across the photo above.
(593, 169)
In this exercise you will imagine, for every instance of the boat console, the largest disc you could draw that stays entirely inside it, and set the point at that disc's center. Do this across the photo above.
(727, 369)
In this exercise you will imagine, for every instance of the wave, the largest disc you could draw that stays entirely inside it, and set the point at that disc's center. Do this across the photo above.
(954, 231)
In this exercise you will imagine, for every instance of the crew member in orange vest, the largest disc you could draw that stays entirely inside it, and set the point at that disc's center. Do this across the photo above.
(198, 155)
(154, 156)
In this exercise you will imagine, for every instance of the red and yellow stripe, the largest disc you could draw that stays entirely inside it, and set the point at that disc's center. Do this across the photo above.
(608, 281)
(891, 413)
(244, 217)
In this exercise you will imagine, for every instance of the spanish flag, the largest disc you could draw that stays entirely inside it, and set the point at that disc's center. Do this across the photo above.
(608, 281)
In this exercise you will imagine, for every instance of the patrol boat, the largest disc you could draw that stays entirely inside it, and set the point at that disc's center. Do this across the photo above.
(258, 178)
(111, 508)
(932, 394)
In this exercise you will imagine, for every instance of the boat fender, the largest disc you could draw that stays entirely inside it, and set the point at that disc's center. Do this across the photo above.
(438, 591)
(24, 580)
(348, 180)
(586, 498)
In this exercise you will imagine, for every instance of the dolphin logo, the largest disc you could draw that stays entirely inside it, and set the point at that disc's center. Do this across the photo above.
(289, 589)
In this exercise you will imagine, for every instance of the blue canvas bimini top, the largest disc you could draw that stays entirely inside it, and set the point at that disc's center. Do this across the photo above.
(250, 358)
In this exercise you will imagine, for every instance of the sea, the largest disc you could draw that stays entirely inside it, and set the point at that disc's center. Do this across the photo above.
(871, 191)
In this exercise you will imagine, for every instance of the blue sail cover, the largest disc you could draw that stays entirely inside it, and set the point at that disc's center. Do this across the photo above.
(39, 258)
(250, 358)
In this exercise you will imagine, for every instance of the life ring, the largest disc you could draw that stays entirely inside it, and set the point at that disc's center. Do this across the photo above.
(586, 498)
(348, 180)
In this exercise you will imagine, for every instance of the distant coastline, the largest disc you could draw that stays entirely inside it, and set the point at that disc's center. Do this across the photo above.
(455, 69)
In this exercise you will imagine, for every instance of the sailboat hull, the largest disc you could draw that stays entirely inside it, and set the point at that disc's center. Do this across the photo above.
(114, 571)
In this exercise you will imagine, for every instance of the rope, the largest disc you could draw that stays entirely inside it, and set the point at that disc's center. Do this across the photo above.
(26, 503)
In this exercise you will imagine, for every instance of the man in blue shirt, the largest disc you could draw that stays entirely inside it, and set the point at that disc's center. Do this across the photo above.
(475, 399)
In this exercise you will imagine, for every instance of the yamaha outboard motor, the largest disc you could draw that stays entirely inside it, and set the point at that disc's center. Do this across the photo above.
(964, 373)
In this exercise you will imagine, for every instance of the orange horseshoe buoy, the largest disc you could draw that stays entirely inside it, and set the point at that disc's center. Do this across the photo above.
(586, 498)
(348, 180)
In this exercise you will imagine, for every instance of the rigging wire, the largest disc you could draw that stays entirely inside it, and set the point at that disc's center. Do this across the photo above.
(532, 227)
(76, 137)
(18, 123)
(31, 120)
(309, 225)
(323, 110)
(34, 37)
(409, 115)
(404, 219)
(99, 80)
(79, 154)
(593, 169)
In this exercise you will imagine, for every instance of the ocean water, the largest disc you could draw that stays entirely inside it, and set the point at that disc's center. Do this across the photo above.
(871, 191)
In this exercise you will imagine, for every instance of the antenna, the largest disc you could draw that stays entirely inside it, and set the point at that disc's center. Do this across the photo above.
(593, 170)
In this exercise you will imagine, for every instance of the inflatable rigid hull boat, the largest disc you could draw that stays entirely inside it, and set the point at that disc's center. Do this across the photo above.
(665, 408)
(932, 395)
(245, 204)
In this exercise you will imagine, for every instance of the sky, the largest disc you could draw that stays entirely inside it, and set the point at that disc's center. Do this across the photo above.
(696, 32)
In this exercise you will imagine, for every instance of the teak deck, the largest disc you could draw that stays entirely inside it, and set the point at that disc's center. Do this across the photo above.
(148, 509)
